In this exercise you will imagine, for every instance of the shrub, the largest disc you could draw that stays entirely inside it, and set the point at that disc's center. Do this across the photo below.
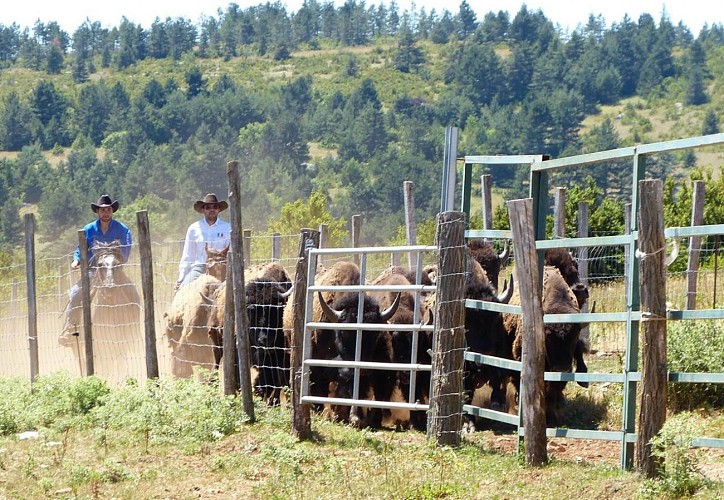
(695, 346)
(680, 475)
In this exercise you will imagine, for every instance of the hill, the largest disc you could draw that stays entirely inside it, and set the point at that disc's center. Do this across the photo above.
(152, 116)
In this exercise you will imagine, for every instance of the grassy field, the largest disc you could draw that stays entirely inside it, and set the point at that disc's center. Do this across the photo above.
(179, 439)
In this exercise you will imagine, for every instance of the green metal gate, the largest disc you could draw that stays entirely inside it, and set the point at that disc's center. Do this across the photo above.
(540, 168)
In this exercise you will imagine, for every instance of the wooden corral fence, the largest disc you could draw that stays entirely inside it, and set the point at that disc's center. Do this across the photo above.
(643, 307)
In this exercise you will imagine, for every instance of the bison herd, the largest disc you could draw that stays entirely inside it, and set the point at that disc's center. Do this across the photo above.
(196, 318)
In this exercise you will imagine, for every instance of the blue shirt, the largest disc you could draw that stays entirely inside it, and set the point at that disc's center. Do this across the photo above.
(116, 231)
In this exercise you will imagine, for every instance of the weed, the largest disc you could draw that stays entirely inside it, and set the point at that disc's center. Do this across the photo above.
(680, 475)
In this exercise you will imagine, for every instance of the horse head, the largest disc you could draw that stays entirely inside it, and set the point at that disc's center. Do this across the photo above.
(216, 262)
(107, 259)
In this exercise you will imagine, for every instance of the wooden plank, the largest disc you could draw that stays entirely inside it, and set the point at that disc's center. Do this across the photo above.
(652, 274)
(532, 397)
(149, 315)
(445, 417)
(237, 287)
(301, 414)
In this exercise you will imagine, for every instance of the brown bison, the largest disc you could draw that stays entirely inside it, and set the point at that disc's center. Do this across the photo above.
(402, 341)
(562, 340)
(267, 288)
(485, 254)
(340, 344)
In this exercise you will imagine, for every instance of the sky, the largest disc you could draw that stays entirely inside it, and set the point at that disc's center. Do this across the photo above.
(567, 13)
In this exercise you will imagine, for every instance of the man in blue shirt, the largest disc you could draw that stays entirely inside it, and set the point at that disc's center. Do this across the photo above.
(104, 229)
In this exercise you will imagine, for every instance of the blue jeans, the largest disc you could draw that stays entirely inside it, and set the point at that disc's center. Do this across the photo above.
(196, 271)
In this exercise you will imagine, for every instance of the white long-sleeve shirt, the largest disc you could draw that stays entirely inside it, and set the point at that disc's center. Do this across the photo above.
(198, 234)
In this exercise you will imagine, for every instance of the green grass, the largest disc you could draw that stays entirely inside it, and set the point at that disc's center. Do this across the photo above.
(182, 439)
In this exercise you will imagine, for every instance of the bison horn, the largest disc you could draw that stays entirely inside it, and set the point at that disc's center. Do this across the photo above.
(674, 253)
(507, 292)
(286, 294)
(390, 311)
(504, 255)
(332, 315)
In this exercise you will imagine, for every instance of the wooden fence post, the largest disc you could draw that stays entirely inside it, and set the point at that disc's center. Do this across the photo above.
(276, 247)
(356, 227)
(532, 396)
(247, 247)
(149, 313)
(559, 213)
(323, 241)
(652, 279)
(582, 255)
(241, 321)
(32, 296)
(408, 188)
(301, 418)
(231, 374)
(86, 300)
(692, 267)
(486, 192)
(445, 417)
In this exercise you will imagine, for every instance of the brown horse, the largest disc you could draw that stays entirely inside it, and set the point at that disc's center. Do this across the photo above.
(115, 315)
(188, 318)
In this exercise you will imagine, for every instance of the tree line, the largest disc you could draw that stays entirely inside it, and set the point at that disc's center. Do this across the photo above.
(512, 86)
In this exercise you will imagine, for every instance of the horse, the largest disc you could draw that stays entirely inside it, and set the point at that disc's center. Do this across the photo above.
(115, 313)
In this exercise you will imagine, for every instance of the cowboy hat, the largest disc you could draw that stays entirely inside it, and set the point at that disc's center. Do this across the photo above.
(210, 199)
(104, 201)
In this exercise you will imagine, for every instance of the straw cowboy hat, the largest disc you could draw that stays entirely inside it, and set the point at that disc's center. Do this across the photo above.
(210, 199)
(104, 201)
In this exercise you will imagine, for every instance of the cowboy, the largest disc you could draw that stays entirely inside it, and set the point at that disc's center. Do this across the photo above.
(105, 229)
(209, 230)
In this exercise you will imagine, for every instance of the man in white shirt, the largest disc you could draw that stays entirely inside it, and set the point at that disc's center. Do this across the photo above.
(209, 230)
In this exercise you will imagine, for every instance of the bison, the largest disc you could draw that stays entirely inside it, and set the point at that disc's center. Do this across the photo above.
(402, 341)
(484, 332)
(491, 262)
(267, 290)
(562, 340)
(339, 344)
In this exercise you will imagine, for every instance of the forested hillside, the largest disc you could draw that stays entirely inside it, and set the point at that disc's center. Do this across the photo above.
(349, 101)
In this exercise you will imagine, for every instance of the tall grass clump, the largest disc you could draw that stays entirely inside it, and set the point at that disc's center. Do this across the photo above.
(171, 410)
(679, 473)
(695, 346)
(57, 399)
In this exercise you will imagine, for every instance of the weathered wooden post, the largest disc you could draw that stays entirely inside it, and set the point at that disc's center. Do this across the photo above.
(247, 247)
(448, 362)
(86, 300)
(652, 279)
(276, 247)
(241, 321)
(582, 254)
(32, 296)
(231, 374)
(149, 314)
(559, 213)
(486, 192)
(301, 417)
(323, 241)
(356, 227)
(532, 397)
(410, 224)
(627, 248)
(692, 267)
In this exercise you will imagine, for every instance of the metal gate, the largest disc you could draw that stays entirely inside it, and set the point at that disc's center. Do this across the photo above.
(540, 168)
